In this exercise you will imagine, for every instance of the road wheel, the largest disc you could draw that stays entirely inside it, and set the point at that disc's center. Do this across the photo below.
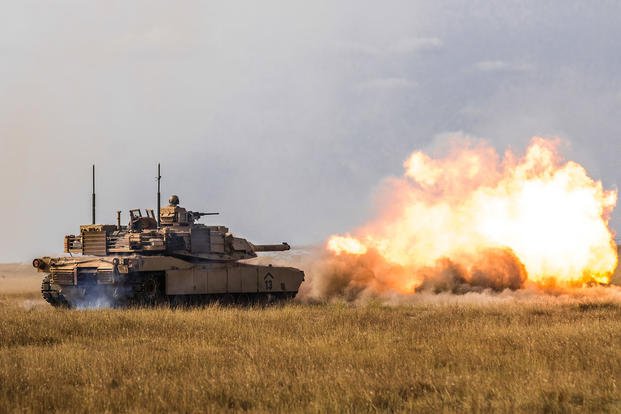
(226, 300)
(51, 295)
(46, 290)
(151, 290)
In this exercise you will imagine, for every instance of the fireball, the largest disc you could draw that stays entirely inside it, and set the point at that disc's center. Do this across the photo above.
(531, 218)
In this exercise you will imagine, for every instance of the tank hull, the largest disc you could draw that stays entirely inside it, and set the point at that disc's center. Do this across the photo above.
(150, 280)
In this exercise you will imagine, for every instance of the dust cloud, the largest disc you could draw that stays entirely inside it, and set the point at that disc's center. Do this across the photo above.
(496, 277)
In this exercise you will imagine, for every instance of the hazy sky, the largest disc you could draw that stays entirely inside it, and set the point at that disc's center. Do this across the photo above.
(284, 116)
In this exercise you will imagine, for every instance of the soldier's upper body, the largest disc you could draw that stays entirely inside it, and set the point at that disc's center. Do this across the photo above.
(172, 214)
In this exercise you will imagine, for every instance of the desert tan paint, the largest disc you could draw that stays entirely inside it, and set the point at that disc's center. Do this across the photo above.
(195, 259)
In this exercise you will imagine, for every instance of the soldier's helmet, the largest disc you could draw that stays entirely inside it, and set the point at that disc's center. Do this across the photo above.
(173, 200)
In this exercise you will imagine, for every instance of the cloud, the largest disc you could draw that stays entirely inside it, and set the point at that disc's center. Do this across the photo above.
(404, 46)
(503, 66)
(357, 48)
(152, 39)
(388, 84)
(416, 45)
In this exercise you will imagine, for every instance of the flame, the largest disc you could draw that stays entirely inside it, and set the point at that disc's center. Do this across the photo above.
(509, 220)
(346, 244)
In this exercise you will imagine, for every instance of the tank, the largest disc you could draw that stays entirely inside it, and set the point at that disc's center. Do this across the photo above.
(173, 260)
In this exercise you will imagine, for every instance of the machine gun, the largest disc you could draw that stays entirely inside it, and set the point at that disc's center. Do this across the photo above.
(195, 215)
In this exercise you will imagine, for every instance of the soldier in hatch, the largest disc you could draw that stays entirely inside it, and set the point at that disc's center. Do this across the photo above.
(173, 214)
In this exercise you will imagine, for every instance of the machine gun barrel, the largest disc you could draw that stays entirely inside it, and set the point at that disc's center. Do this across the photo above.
(195, 215)
(271, 247)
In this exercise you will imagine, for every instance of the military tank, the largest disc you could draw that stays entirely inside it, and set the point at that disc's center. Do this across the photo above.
(165, 259)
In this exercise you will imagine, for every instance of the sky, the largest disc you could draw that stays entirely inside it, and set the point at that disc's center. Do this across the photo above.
(284, 116)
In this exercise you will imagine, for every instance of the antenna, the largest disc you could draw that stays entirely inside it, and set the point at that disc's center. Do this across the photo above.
(159, 177)
(93, 194)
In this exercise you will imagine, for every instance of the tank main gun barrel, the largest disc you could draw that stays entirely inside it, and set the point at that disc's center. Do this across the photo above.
(271, 247)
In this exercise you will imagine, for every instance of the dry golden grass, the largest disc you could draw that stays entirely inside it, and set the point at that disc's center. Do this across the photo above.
(19, 280)
(322, 358)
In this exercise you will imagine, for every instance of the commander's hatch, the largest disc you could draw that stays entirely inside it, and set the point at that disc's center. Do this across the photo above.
(135, 214)
(139, 222)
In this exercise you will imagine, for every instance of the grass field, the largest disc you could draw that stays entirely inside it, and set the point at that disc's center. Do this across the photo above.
(451, 355)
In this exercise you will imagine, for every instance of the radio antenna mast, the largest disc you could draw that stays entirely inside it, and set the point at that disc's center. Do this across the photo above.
(159, 198)
(93, 195)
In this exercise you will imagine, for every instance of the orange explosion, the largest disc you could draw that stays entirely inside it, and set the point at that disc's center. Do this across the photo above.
(506, 222)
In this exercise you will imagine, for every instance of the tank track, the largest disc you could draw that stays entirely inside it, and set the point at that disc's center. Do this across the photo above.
(234, 300)
(51, 295)
(149, 292)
